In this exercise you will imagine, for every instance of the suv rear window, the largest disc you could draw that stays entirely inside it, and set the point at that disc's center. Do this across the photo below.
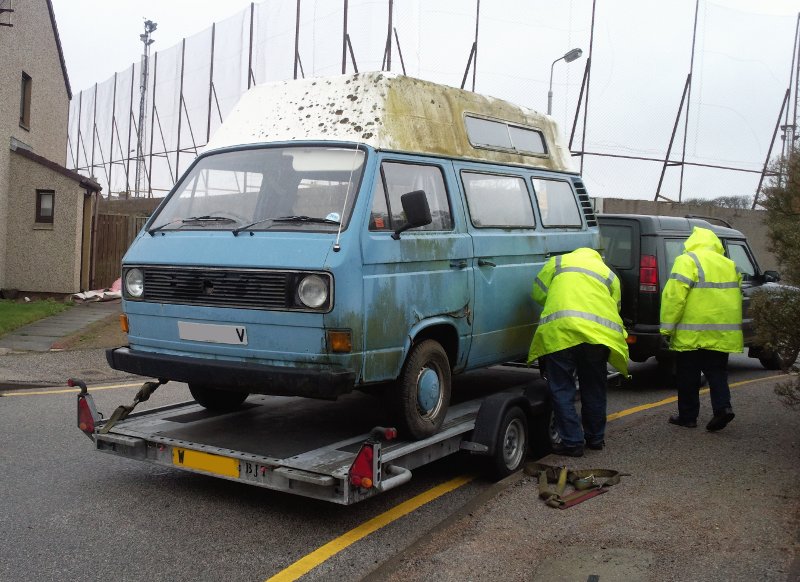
(617, 242)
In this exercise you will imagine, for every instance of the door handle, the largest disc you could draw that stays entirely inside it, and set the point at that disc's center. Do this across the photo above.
(459, 264)
(485, 263)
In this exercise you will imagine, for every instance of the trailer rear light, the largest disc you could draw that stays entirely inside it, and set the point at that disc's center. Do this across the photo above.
(361, 472)
(383, 432)
(648, 274)
(631, 339)
(85, 418)
(87, 413)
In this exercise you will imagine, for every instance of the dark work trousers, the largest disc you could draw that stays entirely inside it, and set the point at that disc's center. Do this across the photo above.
(689, 366)
(589, 360)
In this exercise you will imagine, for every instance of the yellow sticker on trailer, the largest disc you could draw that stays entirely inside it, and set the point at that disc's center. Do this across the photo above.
(215, 464)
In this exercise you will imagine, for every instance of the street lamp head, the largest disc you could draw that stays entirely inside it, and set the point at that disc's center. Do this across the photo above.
(573, 54)
(569, 57)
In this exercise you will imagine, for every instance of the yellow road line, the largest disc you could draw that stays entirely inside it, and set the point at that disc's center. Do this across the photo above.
(68, 390)
(315, 558)
(310, 561)
(671, 399)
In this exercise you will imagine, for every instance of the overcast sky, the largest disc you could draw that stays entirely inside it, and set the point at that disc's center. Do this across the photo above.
(642, 50)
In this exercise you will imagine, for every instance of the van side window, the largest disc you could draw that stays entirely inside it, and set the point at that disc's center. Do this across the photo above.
(379, 215)
(498, 201)
(738, 254)
(500, 135)
(399, 179)
(557, 203)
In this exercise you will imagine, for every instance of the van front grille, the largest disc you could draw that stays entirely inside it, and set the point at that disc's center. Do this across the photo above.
(255, 289)
(586, 203)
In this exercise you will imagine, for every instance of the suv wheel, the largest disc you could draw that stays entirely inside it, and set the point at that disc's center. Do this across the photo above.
(775, 360)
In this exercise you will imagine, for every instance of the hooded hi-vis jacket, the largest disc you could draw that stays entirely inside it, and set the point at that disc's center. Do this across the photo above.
(701, 306)
(581, 298)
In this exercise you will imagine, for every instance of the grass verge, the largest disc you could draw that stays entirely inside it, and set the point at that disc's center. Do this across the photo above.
(14, 314)
(105, 333)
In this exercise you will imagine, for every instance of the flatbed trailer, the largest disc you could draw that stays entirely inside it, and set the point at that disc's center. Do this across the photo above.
(334, 451)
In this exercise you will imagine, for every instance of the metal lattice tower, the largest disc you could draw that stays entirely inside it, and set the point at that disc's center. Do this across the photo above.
(149, 28)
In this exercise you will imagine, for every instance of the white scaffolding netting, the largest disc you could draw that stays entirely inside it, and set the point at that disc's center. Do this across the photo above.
(641, 58)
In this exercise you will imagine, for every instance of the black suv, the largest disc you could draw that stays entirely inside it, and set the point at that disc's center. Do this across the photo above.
(641, 250)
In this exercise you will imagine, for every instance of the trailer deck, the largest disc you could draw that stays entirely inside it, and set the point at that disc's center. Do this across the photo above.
(308, 447)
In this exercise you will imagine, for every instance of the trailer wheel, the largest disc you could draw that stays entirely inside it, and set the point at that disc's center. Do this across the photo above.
(216, 399)
(512, 443)
(419, 399)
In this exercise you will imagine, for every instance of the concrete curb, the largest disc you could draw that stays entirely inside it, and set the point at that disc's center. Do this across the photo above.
(391, 565)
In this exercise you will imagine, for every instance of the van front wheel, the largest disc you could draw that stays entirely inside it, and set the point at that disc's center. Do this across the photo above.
(215, 399)
(420, 398)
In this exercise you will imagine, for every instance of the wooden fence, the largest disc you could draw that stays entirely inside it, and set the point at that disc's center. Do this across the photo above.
(114, 233)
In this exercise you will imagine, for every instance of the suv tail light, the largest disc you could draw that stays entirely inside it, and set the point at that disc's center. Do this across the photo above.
(648, 274)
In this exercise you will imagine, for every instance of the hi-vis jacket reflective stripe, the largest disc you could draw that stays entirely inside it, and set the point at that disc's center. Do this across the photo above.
(701, 306)
(581, 298)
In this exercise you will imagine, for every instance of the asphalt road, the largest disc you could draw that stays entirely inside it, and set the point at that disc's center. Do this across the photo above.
(70, 513)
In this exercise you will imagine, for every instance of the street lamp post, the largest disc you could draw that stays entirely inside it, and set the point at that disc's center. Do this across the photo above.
(568, 57)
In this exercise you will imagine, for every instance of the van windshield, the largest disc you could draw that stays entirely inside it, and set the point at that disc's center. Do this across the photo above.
(287, 188)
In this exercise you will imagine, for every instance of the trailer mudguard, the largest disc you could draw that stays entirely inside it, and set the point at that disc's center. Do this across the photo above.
(490, 415)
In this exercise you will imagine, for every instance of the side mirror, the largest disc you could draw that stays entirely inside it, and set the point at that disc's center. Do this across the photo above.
(416, 209)
(771, 276)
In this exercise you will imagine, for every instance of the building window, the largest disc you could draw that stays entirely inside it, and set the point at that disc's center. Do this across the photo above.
(25, 102)
(6, 10)
(45, 203)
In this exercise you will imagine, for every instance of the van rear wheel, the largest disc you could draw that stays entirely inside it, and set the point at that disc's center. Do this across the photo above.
(215, 399)
(421, 396)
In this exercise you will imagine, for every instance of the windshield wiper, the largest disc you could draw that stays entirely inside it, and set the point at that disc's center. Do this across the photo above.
(302, 218)
(236, 231)
(205, 218)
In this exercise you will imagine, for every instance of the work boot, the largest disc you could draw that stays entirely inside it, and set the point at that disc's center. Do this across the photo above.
(567, 451)
(676, 419)
(596, 446)
(720, 420)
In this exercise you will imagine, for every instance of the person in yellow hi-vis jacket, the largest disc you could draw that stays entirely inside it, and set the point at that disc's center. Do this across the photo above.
(580, 329)
(701, 315)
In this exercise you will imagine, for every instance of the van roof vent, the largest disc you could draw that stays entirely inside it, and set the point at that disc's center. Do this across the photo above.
(586, 204)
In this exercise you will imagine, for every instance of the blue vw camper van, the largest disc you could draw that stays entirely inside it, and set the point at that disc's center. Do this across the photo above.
(355, 232)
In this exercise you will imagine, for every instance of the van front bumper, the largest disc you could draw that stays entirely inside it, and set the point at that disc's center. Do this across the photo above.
(327, 384)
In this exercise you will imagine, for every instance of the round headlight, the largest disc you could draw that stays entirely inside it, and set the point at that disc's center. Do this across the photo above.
(134, 282)
(313, 291)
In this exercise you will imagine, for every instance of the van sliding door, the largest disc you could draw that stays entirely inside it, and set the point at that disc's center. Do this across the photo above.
(508, 252)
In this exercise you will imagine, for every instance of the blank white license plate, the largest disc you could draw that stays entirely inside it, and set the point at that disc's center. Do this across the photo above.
(208, 332)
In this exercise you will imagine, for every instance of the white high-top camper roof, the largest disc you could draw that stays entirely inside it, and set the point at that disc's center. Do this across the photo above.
(388, 112)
